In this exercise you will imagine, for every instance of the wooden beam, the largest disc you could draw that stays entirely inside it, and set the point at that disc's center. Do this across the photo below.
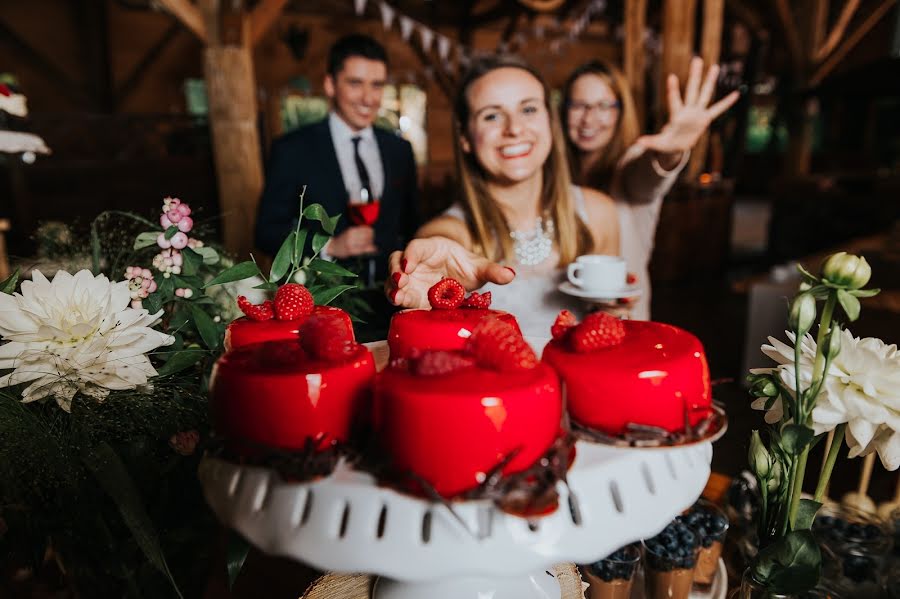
(188, 14)
(835, 35)
(678, 44)
(854, 38)
(264, 16)
(634, 59)
(140, 69)
(791, 33)
(746, 15)
(710, 50)
(818, 26)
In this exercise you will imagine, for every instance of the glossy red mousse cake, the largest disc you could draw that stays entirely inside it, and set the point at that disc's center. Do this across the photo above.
(447, 325)
(450, 417)
(280, 393)
(619, 372)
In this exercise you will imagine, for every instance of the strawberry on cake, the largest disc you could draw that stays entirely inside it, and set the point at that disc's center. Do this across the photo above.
(278, 319)
(620, 373)
(447, 325)
(281, 394)
(450, 419)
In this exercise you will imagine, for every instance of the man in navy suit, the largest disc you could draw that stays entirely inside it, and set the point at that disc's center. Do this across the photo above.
(344, 159)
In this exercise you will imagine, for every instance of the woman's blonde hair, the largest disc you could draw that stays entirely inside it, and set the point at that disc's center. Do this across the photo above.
(627, 128)
(487, 224)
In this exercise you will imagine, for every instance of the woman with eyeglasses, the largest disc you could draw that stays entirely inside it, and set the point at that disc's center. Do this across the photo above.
(520, 220)
(607, 152)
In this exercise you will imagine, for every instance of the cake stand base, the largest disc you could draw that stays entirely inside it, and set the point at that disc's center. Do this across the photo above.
(539, 585)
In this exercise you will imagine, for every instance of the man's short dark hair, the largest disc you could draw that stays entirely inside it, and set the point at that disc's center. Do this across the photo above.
(354, 45)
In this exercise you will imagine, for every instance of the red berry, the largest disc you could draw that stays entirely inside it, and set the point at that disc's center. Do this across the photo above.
(631, 278)
(263, 311)
(327, 338)
(497, 345)
(446, 294)
(436, 363)
(564, 321)
(477, 300)
(293, 301)
(598, 330)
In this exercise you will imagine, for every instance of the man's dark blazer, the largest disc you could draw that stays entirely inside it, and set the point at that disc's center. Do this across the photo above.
(307, 157)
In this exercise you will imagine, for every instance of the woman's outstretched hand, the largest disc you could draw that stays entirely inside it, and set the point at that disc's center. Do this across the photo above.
(426, 261)
(689, 117)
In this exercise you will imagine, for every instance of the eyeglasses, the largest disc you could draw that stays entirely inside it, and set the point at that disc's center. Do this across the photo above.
(603, 107)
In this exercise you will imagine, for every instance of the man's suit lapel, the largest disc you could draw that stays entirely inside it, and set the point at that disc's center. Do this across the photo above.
(335, 199)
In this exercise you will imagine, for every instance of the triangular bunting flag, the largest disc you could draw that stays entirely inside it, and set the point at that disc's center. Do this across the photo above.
(406, 27)
(387, 15)
(443, 45)
(427, 36)
(359, 6)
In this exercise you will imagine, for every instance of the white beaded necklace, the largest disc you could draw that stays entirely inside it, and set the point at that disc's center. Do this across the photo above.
(535, 246)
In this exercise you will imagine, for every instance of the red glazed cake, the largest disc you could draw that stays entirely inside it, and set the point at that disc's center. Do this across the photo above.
(622, 372)
(280, 393)
(448, 418)
(246, 331)
(447, 325)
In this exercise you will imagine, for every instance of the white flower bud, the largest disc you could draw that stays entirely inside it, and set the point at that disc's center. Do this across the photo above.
(803, 314)
(846, 270)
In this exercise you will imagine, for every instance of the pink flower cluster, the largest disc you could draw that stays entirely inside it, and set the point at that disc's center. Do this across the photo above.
(169, 260)
(140, 284)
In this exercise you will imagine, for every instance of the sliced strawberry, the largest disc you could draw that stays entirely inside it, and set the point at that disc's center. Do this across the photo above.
(497, 345)
(564, 322)
(598, 330)
(436, 363)
(263, 311)
(293, 301)
(477, 300)
(446, 294)
(326, 338)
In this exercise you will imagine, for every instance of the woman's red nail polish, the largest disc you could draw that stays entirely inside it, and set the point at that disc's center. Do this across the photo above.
(396, 277)
(393, 294)
(403, 265)
(511, 269)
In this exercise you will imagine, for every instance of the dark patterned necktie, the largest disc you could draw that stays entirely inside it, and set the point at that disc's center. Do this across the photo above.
(365, 185)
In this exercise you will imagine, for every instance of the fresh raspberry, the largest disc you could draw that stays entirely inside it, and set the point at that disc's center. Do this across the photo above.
(436, 363)
(564, 322)
(293, 301)
(631, 278)
(498, 345)
(327, 338)
(446, 294)
(477, 300)
(263, 311)
(598, 330)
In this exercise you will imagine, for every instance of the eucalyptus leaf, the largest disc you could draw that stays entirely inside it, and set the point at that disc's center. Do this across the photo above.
(325, 296)
(849, 303)
(806, 513)
(181, 360)
(238, 272)
(8, 285)
(191, 262)
(283, 259)
(330, 268)
(236, 553)
(208, 330)
(317, 212)
(795, 437)
(319, 241)
(209, 255)
(112, 475)
(145, 239)
(791, 564)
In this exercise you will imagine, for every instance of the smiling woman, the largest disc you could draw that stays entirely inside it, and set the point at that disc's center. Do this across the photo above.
(520, 220)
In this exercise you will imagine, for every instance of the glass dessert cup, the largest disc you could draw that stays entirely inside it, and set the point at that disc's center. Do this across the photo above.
(612, 577)
(711, 525)
(669, 562)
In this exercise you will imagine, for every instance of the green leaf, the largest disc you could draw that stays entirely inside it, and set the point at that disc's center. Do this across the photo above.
(806, 513)
(791, 564)
(236, 552)
(864, 292)
(106, 466)
(849, 303)
(317, 212)
(8, 285)
(325, 296)
(145, 239)
(208, 330)
(267, 286)
(795, 437)
(153, 302)
(165, 288)
(282, 262)
(170, 232)
(209, 255)
(299, 246)
(191, 262)
(181, 360)
(330, 268)
(238, 272)
(319, 241)
(812, 279)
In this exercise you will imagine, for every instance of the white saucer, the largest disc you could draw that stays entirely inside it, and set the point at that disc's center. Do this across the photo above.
(627, 291)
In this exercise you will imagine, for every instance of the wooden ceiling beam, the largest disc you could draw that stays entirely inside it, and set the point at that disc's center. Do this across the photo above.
(140, 69)
(263, 17)
(746, 15)
(791, 33)
(633, 59)
(188, 14)
(835, 35)
(852, 40)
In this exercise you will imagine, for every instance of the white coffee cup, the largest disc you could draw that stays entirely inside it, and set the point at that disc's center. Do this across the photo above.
(595, 272)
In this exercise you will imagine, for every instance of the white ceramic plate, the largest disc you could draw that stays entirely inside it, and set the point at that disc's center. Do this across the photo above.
(576, 291)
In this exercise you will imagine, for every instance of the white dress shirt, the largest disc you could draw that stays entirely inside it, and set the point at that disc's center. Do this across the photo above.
(342, 137)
